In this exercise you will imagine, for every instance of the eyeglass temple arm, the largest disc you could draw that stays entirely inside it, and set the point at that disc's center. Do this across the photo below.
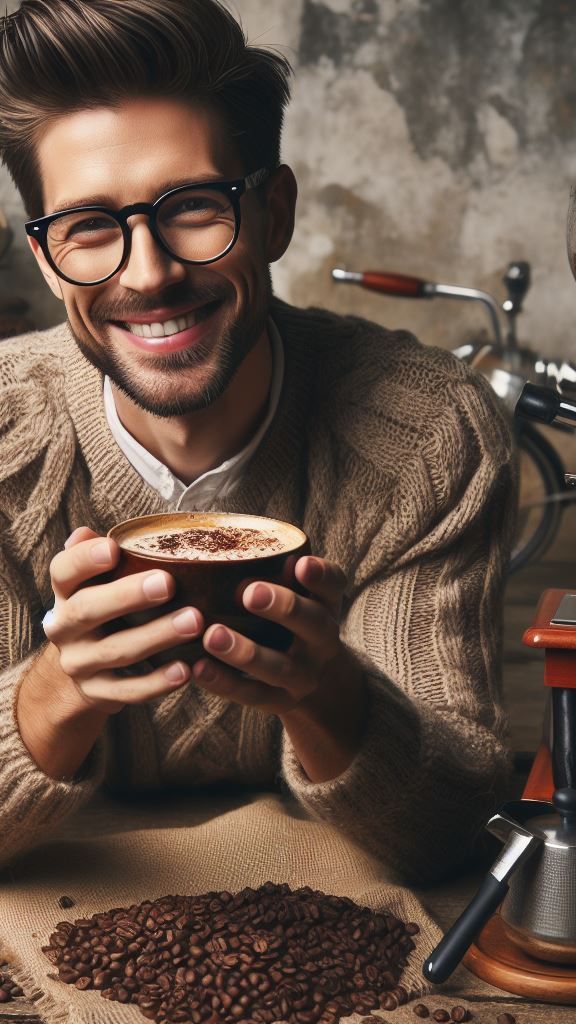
(255, 179)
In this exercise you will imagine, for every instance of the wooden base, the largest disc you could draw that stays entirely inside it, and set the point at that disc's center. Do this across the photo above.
(499, 962)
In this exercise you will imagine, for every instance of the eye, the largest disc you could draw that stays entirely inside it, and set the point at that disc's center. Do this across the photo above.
(195, 207)
(83, 228)
(91, 226)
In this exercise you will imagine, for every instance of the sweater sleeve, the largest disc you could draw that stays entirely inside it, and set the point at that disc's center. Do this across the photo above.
(426, 623)
(32, 803)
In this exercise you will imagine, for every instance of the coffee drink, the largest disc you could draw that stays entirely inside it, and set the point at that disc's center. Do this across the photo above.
(211, 543)
(212, 557)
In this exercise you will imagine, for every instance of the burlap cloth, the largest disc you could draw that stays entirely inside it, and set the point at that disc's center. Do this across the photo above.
(116, 854)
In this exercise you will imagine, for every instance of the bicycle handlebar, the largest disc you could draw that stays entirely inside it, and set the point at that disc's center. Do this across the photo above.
(402, 285)
(407, 287)
(545, 405)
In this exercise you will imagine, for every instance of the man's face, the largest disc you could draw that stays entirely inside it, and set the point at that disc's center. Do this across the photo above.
(134, 153)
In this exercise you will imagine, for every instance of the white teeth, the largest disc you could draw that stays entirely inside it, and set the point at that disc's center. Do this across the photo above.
(168, 328)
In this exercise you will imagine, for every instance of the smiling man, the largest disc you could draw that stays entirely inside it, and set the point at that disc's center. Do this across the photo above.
(144, 137)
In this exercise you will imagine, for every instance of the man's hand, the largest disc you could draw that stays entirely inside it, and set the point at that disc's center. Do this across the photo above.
(66, 697)
(316, 688)
(88, 655)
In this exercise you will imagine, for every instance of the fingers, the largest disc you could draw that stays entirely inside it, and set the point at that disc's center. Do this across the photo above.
(307, 618)
(265, 682)
(79, 534)
(89, 608)
(108, 691)
(325, 580)
(87, 658)
(88, 654)
(82, 559)
(288, 678)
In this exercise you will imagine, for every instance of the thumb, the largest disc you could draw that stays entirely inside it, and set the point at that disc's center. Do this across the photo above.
(79, 534)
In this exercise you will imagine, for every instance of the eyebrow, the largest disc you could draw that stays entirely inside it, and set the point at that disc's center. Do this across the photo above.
(104, 200)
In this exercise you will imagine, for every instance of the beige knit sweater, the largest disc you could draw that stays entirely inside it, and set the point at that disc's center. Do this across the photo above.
(397, 462)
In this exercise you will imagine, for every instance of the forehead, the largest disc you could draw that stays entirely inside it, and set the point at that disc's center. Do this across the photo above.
(127, 153)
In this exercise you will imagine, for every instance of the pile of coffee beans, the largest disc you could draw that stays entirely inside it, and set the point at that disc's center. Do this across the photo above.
(260, 955)
(9, 990)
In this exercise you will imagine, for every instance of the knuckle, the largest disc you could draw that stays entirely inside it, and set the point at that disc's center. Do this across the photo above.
(69, 663)
(292, 606)
(114, 653)
(105, 656)
(57, 566)
(78, 609)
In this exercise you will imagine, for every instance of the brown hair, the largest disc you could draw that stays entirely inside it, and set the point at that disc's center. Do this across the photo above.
(61, 56)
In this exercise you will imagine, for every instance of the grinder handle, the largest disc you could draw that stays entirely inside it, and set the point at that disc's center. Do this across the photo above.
(450, 950)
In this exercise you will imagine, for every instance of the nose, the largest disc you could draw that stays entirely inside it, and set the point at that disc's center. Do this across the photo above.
(148, 269)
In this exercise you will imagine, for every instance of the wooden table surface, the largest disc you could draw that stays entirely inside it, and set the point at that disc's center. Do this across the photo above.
(444, 903)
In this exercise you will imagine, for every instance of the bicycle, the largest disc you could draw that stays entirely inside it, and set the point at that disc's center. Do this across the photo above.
(507, 366)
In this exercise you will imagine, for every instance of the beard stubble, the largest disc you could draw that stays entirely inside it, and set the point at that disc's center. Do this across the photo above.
(237, 338)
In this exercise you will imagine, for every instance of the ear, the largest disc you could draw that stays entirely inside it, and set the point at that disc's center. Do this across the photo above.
(281, 192)
(52, 279)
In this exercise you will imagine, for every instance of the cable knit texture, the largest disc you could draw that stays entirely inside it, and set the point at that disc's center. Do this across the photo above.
(397, 461)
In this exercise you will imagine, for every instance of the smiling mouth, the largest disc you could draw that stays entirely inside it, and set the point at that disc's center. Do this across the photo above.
(175, 325)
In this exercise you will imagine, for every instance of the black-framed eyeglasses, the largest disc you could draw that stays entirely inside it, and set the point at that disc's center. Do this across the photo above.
(197, 223)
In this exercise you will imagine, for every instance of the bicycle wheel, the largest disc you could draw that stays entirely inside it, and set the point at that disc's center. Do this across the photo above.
(541, 477)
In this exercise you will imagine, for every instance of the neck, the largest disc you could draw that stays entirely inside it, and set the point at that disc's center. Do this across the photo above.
(192, 444)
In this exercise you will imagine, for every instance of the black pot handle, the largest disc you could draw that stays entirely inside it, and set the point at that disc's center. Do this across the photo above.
(449, 952)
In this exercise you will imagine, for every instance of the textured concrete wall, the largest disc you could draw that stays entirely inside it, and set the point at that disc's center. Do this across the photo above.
(433, 137)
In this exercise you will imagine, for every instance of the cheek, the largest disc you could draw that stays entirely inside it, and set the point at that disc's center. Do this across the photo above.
(248, 272)
(78, 302)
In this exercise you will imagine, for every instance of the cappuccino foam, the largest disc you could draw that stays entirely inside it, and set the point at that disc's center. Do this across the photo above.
(218, 543)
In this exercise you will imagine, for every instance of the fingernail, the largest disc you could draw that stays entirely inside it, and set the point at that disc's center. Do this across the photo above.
(261, 597)
(176, 673)
(101, 553)
(221, 640)
(187, 622)
(155, 586)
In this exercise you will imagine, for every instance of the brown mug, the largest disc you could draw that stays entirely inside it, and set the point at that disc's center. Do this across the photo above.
(213, 584)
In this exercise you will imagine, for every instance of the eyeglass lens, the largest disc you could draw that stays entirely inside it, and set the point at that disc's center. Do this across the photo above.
(195, 225)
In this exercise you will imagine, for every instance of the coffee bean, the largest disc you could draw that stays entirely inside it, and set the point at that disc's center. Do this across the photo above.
(65, 902)
(505, 1018)
(401, 995)
(388, 1002)
(459, 1014)
(441, 1015)
(254, 957)
(421, 1010)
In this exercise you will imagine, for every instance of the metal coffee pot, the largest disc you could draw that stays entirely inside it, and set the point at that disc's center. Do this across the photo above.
(539, 911)
(534, 878)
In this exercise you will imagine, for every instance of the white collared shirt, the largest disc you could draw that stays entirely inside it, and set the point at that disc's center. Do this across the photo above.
(215, 483)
